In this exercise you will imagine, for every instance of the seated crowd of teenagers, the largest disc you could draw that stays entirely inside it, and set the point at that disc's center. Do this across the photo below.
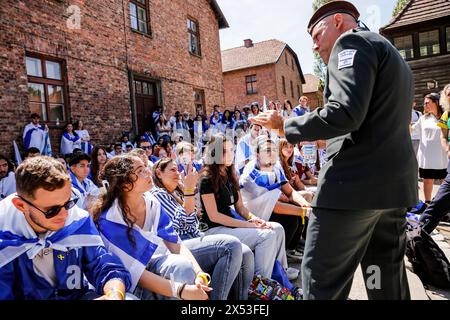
(163, 218)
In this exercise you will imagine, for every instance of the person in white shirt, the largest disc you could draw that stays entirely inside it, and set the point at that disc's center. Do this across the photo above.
(69, 140)
(7, 178)
(34, 134)
(432, 156)
(86, 146)
(415, 136)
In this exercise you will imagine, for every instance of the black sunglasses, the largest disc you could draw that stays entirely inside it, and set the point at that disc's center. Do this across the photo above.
(146, 148)
(53, 211)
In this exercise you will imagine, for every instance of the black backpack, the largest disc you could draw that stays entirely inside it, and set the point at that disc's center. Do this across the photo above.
(428, 260)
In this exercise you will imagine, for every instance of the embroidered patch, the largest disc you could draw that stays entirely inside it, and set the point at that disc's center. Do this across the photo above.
(346, 58)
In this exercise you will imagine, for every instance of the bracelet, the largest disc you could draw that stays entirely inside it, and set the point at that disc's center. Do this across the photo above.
(189, 190)
(180, 291)
(112, 293)
(205, 277)
(189, 195)
(250, 216)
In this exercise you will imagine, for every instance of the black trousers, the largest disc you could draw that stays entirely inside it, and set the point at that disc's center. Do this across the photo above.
(438, 208)
(293, 227)
(338, 241)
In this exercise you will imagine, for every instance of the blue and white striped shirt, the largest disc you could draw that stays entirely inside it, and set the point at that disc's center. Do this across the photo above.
(183, 223)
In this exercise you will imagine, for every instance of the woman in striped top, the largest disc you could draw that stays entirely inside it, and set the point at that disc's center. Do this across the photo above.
(230, 265)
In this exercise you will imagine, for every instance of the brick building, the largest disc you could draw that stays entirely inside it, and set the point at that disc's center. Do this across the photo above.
(109, 63)
(268, 68)
(421, 33)
(313, 91)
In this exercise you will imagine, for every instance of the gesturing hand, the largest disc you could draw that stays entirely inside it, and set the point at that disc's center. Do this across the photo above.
(190, 179)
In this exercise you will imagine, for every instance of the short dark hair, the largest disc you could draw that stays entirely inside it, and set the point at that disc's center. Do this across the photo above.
(35, 115)
(33, 150)
(76, 158)
(40, 172)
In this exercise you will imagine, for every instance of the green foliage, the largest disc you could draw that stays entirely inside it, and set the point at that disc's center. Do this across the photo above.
(320, 69)
(399, 7)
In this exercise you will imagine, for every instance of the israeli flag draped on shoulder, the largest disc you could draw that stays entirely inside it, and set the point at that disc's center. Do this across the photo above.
(244, 152)
(157, 227)
(46, 149)
(261, 190)
(33, 136)
(17, 155)
(17, 237)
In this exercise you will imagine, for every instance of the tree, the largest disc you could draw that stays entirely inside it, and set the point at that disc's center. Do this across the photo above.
(399, 7)
(320, 68)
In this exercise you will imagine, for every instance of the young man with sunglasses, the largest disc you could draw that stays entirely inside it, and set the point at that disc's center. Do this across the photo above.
(50, 248)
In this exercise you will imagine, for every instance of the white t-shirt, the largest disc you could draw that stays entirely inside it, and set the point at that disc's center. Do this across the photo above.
(431, 154)
(415, 116)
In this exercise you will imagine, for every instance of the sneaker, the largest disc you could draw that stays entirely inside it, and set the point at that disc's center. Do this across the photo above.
(292, 273)
(294, 255)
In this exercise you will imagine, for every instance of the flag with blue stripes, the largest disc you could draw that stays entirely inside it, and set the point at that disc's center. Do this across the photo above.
(17, 237)
(136, 255)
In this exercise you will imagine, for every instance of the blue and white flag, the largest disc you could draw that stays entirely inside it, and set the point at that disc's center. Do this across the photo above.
(17, 155)
(135, 257)
(46, 149)
(261, 190)
(33, 136)
(244, 152)
(17, 237)
(69, 142)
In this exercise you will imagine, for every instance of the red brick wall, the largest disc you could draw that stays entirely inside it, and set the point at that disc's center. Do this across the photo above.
(236, 90)
(269, 83)
(283, 69)
(99, 56)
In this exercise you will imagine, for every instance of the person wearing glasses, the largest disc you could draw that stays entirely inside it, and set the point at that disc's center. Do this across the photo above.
(230, 264)
(134, 225)
(266, 192)
(50, 248)
(147, 147)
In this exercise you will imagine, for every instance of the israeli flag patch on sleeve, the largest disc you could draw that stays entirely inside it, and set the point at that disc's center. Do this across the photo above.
(346, 58)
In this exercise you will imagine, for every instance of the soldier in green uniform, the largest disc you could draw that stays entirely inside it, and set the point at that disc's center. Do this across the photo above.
(371, 175)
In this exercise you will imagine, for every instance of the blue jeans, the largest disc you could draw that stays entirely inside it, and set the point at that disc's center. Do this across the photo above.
(438, 208)
(228, 263)
(177, 265)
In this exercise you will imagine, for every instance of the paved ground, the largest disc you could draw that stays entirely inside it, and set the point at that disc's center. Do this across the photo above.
(417, 289)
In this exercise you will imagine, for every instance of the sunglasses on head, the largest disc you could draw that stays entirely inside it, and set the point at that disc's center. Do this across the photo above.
(53, 211)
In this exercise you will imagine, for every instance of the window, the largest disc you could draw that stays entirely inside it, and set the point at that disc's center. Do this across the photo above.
(292, 61)
(286, 58)
(298, 91)
(250, 82)
(199, 100)
(429, 43)
(284, 84)
(144, 88)
(292, 89)
(46, 88)
(405, 46)
(194, 37)
(447, 32)
(139, 16)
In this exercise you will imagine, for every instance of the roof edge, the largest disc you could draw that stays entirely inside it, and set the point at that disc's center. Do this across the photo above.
(397, 17)
(223, 23)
